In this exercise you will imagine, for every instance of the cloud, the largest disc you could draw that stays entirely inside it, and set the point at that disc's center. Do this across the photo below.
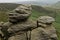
(14, 0)
(28, 0)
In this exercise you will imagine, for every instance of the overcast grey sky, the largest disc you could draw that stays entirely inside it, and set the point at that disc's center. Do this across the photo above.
(29, 0)
(14, 0)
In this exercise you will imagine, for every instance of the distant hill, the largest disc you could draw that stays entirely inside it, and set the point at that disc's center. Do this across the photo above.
(10, 6)
(7, 6)
(39, 3)
(56, 5)
(42, 9)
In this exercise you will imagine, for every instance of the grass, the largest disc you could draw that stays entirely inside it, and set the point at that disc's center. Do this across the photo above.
(57, 26)
(3, 16)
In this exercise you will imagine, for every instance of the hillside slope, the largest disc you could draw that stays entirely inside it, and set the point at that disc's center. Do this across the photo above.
(7, 6)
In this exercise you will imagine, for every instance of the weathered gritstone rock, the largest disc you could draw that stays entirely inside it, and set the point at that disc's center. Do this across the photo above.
(46, 19)
(44, 31)
(19, 23)
(20, 13)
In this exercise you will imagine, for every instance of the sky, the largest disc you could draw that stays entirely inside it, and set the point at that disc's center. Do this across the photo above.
(48, 1)
(14, 0)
